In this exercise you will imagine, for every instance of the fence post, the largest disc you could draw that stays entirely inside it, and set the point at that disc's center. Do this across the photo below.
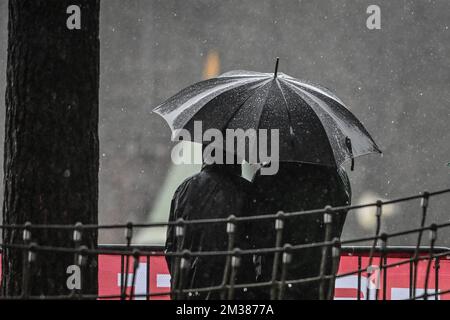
(185, 264)
(336, 254)
(235, 264)
(378, 214)
(433, 237)
(76, 237)
(28, 258)
(382, 270)
(327, 220)
(231, 231)
(128, 237)
(136, 257)
(424, 205)
(287, 258)
(279, 225)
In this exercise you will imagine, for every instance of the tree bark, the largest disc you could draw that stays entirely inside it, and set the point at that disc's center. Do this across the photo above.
(51, 141)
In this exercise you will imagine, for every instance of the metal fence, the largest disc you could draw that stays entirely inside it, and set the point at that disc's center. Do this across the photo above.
(377, 254)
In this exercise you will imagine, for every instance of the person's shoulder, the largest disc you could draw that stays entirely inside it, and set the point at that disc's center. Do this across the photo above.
(202, 179)
(188, 182)
(205, 176)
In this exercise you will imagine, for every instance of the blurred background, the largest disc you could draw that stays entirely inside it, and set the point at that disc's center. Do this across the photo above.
(395, 80)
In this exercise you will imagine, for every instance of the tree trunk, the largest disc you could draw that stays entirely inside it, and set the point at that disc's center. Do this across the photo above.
(51, 141)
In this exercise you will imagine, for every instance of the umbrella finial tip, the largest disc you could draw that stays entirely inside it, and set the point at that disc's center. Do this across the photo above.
(276, 67)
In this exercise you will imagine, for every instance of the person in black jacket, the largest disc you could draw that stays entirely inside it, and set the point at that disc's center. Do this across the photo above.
(297, 187)
(217, 191)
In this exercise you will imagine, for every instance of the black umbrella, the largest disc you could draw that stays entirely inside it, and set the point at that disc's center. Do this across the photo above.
(314, 125)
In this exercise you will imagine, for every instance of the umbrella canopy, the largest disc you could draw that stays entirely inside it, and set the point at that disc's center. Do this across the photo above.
(314, 124)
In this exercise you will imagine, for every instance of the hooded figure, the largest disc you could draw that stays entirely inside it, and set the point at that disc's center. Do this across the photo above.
(297, 187)
(217, 191)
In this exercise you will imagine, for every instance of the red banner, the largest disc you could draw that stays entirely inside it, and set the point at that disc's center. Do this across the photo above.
(152, 277)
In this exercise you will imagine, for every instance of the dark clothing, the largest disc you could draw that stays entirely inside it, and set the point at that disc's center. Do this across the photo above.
(216, 192)
(297, 187)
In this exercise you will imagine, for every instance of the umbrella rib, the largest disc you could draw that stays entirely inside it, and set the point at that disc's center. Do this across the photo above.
(315, 88)
(333, 116)
(339, 108)
(243, 102)
(231, 86)
(291, 128)
(315, 115)
(262, 108)
(198, 97)
(232, 74)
